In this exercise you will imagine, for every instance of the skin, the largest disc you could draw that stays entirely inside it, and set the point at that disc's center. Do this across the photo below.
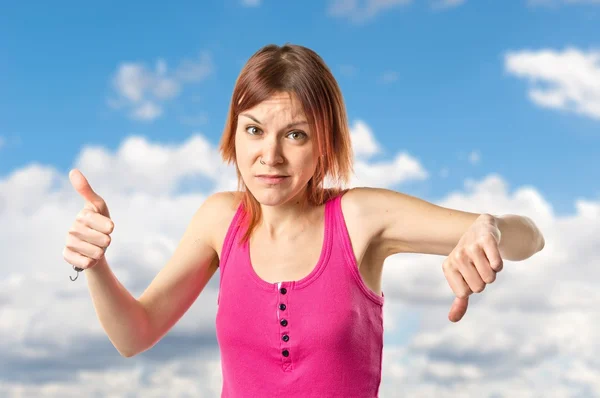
(392, 222)
(263, 132)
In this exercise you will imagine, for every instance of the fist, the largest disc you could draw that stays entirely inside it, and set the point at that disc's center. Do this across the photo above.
(473, 263)
(89, 236)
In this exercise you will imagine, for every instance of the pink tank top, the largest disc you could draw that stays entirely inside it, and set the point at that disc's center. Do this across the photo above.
(320, 336)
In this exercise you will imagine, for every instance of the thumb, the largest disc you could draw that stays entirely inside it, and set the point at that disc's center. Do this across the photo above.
(458, 309)
(82, 186)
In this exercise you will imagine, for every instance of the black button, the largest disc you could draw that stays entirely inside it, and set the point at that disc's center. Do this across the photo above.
(283, 322)
(282, 306)
(283, 290)
(285, 337)
(286, 353)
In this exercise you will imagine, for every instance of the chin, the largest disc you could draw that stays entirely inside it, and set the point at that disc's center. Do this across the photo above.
(273, 196)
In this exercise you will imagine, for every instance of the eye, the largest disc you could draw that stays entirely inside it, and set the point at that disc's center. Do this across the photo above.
(250, 128)
(299, 134)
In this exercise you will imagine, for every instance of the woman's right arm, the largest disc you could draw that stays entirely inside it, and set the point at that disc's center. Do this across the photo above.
(134, 325)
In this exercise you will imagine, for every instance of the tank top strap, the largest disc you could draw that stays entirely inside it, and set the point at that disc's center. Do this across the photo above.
(344, 245)
(231, 236)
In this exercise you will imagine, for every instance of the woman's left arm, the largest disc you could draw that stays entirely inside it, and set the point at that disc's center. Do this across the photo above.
(402, 223)
(475, 244)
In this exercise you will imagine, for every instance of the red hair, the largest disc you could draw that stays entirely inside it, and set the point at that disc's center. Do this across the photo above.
(299, 70)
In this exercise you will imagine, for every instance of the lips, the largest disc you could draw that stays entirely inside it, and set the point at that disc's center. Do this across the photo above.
(271, 179)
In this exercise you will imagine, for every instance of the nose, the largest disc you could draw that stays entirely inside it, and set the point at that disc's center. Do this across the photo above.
(271, 153)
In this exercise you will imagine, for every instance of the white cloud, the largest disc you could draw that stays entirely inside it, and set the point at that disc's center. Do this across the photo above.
(538, 322)
(402, 168)
(526, 325)
(363, 140)
(142, 92)
(566, 80)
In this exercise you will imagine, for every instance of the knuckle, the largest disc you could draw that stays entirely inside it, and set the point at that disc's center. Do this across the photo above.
(479, 288)
(463, 293)
(459, 254)
(489, 239)
(483, 241)
(445, 265)
(88, 262)
(472, 249)
(84, 215)
(70, 241)
(75, 228)
(486, 217)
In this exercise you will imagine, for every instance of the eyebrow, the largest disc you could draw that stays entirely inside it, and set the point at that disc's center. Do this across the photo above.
(287, 127)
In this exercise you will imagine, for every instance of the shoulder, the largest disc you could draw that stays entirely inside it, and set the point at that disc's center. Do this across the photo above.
(359, 208)
(224, 201)
(358, 201)
(219, 209)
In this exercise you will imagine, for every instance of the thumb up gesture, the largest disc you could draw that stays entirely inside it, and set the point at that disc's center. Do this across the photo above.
(89, 236)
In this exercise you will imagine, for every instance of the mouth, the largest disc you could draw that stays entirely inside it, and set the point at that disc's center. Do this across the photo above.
(272, 179)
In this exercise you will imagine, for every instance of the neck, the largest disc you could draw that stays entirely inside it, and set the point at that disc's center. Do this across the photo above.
(286, 219)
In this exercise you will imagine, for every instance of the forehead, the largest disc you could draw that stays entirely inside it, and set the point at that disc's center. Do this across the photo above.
(279, 105)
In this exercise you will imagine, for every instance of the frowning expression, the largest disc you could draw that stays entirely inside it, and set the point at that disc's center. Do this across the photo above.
(275, 149)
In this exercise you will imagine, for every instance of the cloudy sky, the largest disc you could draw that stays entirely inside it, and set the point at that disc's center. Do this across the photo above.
(483, 106)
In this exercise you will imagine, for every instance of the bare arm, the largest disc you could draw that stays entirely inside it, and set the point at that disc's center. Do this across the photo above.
(135, 325)
(405, 224)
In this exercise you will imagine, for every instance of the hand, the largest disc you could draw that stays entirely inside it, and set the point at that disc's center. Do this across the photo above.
(473, 263)
(89, 237)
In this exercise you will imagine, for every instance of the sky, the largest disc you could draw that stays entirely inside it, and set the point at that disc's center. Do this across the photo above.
(482, 106)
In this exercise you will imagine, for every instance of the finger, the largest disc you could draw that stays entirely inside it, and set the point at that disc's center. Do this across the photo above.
(84, 248)
(78, 259)
(482, 265)
(89, 235)
(458, 309)
(83, 187)
(470, 275)
(95, 221)
(492, 252)
(456, 281)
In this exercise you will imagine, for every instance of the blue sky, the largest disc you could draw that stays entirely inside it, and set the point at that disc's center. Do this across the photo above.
(448, 92)
(488, 106)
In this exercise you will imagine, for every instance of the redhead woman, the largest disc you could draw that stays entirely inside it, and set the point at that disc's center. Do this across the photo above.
(300, 255)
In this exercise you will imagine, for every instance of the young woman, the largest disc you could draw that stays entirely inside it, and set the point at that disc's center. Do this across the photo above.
(300, 256)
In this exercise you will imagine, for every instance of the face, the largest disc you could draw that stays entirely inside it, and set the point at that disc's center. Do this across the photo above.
(275, 131)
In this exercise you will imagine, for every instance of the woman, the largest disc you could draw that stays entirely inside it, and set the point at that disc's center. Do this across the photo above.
(300, 256)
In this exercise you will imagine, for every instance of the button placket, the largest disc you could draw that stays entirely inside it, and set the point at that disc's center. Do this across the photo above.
(284, 325)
